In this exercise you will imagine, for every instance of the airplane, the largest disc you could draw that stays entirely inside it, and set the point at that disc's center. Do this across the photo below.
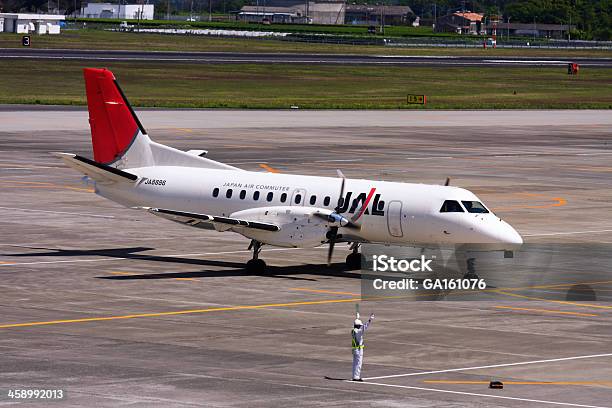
(282, 210)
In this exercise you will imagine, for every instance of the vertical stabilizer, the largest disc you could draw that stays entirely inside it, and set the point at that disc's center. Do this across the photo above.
(114, 125)
(119, 140)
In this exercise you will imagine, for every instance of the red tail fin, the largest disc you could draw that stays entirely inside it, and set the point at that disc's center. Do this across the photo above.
(113, 123)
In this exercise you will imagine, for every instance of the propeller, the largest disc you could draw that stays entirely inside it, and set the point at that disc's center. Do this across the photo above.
(337, 218)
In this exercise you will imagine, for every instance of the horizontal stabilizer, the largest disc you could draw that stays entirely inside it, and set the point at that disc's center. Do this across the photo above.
(97, 171)
(195, 219)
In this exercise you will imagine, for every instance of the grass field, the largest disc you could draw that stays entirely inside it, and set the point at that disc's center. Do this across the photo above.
(280, 86)
(99, 39)
(340, 29)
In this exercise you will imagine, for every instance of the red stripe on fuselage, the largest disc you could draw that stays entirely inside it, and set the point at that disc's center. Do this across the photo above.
(365, 204)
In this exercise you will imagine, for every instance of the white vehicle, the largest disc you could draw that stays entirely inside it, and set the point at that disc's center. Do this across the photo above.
(124, 26)
(275, 209)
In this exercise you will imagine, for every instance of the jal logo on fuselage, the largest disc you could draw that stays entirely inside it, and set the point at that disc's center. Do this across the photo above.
(360, 204)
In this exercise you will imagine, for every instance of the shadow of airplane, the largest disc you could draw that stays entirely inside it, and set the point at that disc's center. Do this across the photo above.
(231, 268)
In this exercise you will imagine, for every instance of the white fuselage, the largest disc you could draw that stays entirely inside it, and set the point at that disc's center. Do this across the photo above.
(396, 213)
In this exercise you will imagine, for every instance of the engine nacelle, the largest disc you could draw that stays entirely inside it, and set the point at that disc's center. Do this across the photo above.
(299, 226)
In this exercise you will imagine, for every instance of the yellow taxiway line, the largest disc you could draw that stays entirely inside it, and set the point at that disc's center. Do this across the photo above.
(326, 291)
(180, 312)
(545, 311)
(268, 168)
(562, 302)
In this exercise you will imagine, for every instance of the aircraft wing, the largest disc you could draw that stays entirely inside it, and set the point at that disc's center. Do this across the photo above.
(97, 171)
(207, 221)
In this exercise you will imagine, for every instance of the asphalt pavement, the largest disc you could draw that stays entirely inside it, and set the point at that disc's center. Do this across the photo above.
(294, 58)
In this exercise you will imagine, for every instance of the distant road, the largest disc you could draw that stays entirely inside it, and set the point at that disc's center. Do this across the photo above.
(269, 58)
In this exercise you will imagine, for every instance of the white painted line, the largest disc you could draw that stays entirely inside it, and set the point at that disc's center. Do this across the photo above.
(548, 234)
(108, 259)
(474, 394)
(526, 61)
(57, 212)
(490, 366)
(337, 160)
(429, 157)
(593, 154)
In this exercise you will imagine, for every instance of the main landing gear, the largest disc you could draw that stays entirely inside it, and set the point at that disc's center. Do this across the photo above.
(471, 269)
(255, 265)
(353, 260)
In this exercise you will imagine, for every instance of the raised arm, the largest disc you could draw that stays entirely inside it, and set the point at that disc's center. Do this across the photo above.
(367, 324)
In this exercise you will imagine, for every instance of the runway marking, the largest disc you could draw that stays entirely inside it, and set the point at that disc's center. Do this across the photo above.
(429, 157)
(558, 202)
(132, 273)
(326, 291)
(180, 312)
(522, 382)
(27, 167)
(162, 256)
(552, 360)
(57, 212)
(596, 169)
(546, 311)
(563, 302)
(337, 160)
(547, 234)
(37, 184)
(567, 404)
(268, 168)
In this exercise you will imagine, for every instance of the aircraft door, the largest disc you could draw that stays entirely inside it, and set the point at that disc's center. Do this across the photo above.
(298, 198)
(394, 218)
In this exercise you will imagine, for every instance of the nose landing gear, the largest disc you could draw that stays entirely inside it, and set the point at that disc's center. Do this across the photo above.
(471, 269)
(255, 265)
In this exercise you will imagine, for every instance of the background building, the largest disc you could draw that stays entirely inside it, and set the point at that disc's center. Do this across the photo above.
(364, 14)
(121, 11)
(460, 22)
(22, 23)
(557, 31)
(288, 11)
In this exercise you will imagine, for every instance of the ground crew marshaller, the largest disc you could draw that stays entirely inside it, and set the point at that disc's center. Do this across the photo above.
(357, 335)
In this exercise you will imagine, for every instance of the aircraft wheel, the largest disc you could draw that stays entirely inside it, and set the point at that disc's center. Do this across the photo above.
(470, 276)
(353, 261)
(256, 266)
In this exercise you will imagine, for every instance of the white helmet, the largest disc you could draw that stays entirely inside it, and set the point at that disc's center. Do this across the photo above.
(357, 322)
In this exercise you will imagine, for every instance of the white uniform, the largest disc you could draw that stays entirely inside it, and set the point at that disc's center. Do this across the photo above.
(358, 344)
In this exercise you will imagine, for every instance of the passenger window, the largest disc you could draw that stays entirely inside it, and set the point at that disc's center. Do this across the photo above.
(242, 194)
(256, 195)
(298, 198)
(283, 197)
(326, 201)
(474, 207)
(216, 192)
(381, 205)
(313, 200)
(451, 206)
(270, 196)
(228, 193)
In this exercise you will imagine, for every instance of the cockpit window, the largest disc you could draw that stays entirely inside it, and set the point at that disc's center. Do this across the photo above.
(475, 207)
(451, 206)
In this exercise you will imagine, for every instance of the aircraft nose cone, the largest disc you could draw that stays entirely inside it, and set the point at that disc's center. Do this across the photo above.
(510, 236)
